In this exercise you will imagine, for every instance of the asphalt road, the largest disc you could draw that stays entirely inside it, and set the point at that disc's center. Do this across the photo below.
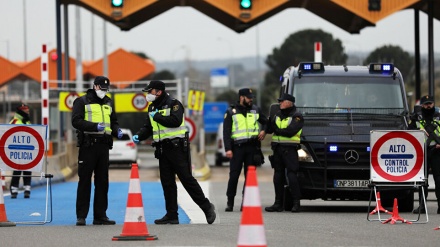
(320, 223)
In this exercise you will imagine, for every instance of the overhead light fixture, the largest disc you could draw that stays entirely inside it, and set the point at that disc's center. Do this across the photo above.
(374, 5)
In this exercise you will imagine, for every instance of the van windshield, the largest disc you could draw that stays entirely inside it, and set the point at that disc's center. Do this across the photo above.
(348, 92)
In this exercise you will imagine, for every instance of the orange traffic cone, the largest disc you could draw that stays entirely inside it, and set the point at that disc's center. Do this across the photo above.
(135, 227)
(251, 232)
(395, 217)
(3, 218)
(379, 206)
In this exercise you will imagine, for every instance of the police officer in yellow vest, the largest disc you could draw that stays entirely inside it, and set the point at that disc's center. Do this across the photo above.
(429, 121)
(242, 137)
(286, 126)
(21, 117)
(166, 123)
(94, 118)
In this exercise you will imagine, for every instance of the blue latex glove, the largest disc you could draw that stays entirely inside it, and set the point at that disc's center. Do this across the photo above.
(153, 113)
(136, 139)
(100, 127)
(119, 133)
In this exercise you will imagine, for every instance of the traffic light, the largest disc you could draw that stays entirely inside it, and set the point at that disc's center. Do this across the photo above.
(374, 5)
(245, 4)
(117, 3)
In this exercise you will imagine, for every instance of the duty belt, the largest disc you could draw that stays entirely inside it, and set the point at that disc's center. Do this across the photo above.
(98, 139)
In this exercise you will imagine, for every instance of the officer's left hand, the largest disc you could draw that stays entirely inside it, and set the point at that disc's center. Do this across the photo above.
(119, 133)
(153, 113)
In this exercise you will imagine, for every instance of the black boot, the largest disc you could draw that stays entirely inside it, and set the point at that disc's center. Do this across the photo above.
(276, 207)
(296, 206)
(229, 204)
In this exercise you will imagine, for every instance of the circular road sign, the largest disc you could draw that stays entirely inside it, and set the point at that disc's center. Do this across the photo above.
(68, 101)
(396, 157)
(22, 144)
(191, 127)
(139, 102)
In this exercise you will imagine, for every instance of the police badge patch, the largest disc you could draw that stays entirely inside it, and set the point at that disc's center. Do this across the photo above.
(176, 107)
(297, 119)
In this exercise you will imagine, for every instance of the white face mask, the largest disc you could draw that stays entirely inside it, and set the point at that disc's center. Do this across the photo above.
(150, 97)
(100, 93)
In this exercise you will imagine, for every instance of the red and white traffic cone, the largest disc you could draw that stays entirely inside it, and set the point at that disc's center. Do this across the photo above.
(251, 232)
(395, 217)
(3, 218)
(379, 207)
(135, 227)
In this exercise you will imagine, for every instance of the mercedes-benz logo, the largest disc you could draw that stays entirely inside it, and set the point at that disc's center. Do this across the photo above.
(351, 156)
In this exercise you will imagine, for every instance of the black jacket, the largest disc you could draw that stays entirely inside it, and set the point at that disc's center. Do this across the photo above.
(78, 121)
(291, 130)
(227, 122)
(174, 120)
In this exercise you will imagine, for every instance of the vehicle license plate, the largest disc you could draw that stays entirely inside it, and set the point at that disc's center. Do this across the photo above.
(339, 183)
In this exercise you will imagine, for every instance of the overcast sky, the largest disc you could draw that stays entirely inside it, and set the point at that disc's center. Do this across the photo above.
(184, 32)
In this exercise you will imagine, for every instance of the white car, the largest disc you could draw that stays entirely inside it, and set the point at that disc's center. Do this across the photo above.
(220, 154)
(124, 151)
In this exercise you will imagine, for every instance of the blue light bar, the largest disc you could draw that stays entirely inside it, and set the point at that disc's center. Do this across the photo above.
(368, 149)
(333, 148)
(381, 68)
(311, 67)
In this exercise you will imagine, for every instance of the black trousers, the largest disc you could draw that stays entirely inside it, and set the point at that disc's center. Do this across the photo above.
(173, 160)
(242, 154)
(93, 160)
(285, 164)
(434, 164)
(15, 180)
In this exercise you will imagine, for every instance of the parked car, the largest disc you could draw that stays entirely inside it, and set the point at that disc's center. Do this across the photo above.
(220, 154)
(124, 151)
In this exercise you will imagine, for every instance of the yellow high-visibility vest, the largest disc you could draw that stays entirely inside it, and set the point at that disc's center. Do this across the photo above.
(161, 132)
(97, 113)
(244, 128)
(282, 124)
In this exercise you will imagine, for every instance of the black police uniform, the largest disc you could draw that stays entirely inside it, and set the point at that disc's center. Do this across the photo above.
(284, 160)
(244, 151)
(173, 155)
(93, 157)
(432, 118)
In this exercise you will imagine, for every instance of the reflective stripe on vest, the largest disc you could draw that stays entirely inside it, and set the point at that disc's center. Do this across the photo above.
(282, 124)
(97, 113)
(244, 128)
(421, 125)
(161, 132)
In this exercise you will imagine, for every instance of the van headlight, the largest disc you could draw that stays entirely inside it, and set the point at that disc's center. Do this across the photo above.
(304, 155)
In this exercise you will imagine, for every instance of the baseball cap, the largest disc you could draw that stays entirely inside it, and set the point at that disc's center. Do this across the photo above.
(247, 92)
(159, 85)
(427, 99)
(102, 81)
(288, 97)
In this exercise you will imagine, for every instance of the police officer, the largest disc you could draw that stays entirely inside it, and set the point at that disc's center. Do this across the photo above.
(242, 137)
(286, 126)
(429, 121)
(94, 118)
(166, 123)
(21, 117)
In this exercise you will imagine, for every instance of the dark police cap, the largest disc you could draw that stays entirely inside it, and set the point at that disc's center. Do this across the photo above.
(102, 81)
(22, 107)
(427, 99)
(158, 85)
(246, 92)
(287, 97)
